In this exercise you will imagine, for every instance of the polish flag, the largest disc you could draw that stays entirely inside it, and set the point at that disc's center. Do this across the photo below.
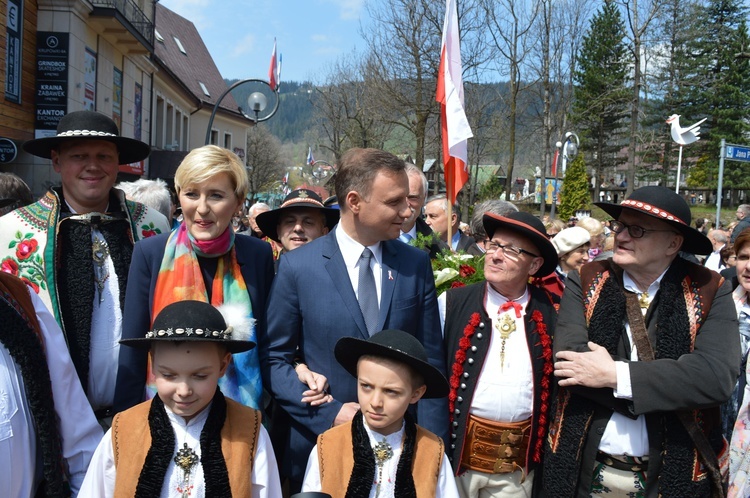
(310, 158)
(273, 71)
(450, 93)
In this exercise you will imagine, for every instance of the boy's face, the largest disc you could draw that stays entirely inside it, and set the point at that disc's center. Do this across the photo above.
(385, 391)
(187, 374)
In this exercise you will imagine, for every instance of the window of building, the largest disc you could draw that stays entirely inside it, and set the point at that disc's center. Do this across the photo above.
(159, 123)
(205, 90)
(179, 45)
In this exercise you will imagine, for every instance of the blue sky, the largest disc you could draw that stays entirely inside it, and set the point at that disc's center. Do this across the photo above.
(310, 34)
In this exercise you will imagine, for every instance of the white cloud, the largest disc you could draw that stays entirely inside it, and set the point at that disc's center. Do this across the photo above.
(244, 46)
(349, 9)
(196, 11)
(319, 38)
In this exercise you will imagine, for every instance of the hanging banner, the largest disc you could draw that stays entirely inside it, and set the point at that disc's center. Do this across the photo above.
(117, 98)
(89, 80)
(13, 50)
(137, 111)
(51, 81)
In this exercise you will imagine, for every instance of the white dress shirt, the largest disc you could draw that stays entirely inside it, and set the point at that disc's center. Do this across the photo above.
(504, 393)
(106, 332)
(100, 479)
(446, 485)
(623, 435)
(351, 250)
(20, 464)
(713, 261)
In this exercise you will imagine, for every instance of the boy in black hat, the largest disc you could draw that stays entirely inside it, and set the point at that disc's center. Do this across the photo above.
(189, 440)
(382, 449)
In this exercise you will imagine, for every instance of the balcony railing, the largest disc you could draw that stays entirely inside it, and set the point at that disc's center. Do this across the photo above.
(131, 13)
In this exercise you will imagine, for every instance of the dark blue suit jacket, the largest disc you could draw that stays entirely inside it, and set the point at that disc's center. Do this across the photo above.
(312, 305)
(256, 264)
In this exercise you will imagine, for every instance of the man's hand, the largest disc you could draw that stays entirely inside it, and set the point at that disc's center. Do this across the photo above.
(346, 414)
(594, 368)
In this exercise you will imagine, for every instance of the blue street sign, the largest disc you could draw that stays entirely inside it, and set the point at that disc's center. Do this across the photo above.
(738, 153)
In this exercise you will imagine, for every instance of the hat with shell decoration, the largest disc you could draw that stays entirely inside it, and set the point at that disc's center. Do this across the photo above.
(199, 321)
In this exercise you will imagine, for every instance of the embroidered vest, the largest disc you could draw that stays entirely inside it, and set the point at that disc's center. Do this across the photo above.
(131, 440)
(31, 248)
(336, 460)
(685, 298)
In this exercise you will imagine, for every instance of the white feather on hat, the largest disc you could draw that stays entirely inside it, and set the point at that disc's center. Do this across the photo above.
(237, 319)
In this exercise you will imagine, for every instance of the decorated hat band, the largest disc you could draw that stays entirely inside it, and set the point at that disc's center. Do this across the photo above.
(652, 210)
(190, 331)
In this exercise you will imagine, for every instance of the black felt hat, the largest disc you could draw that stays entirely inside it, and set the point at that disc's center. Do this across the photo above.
(198, 321)
(395, 345)
(666, 205)
(89, 125)
(532, 228)
(300, 198)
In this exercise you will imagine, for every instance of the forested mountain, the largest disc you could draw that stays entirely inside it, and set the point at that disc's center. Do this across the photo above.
(295, 114)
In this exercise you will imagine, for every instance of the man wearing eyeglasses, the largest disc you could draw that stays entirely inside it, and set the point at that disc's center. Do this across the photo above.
(498, 339)
(646, 349)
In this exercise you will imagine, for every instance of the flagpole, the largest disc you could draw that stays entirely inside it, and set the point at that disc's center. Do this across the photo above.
(450, 222)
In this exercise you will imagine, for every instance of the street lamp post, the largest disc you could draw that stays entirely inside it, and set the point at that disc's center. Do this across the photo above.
(569, 151)
(320, 171)
(257, 102)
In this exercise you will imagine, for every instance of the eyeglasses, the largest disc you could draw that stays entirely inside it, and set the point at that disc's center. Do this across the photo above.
(634, 231)
(491, 247)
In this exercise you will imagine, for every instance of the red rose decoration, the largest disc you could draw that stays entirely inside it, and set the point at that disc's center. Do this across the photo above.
(466, 271)
(9, 266)
(457, 284)
(147, 233)
(26, 248)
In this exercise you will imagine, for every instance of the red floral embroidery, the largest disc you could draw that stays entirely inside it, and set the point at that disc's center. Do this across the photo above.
(26, 248)
(31, 284)
(9, 266)
(458, 366)
(149, 230)
(546, 343)
(466, 271)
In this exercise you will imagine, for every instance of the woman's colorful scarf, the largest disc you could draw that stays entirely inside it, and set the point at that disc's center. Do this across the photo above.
(180, 278)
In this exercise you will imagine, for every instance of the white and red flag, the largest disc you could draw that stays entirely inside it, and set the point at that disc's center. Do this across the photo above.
(450, 93)
(274, 71)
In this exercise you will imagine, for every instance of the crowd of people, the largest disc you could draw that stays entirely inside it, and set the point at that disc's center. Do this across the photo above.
(157, 345)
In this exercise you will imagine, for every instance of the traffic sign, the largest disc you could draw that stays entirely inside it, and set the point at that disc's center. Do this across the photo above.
(738, 153)
(8, 150)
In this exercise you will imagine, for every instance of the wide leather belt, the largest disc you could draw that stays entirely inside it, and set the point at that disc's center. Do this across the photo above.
(622, 462)
(495, 447)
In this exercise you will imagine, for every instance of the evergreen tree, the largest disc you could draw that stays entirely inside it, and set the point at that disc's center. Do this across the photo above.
(668, 85)
(575, 189)
(601, 105)
(720, 87)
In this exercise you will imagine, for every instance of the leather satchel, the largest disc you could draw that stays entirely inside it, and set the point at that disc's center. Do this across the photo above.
(646, 353)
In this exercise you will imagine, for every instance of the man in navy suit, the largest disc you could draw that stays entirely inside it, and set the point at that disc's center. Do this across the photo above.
(316, 296)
